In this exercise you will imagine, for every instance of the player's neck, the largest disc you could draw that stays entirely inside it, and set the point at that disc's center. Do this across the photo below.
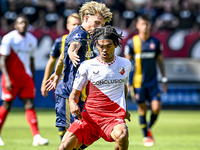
(143, 36)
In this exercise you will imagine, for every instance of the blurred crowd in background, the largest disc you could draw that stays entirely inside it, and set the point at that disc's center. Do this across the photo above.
(52, 14)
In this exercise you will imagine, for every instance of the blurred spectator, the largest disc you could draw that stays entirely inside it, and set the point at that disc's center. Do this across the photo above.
(69, 7)
(51, 16)
(114, 6)
(167, 20)
(28, 9)
(197, 15)
(185, 14)
(129, 16)
(150, 7)
(8, 18)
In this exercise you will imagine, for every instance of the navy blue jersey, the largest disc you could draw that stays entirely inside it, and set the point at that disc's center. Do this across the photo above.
(58, 46)
(65, 85)
(144, 60)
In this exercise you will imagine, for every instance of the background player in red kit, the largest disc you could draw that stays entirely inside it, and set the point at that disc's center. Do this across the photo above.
(17, 66)
(105, 78)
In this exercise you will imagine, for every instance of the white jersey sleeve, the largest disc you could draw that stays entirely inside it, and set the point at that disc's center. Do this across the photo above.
(81, 78)
(5, 45)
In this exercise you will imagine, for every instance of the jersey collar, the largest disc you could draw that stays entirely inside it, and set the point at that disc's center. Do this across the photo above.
(110, 63)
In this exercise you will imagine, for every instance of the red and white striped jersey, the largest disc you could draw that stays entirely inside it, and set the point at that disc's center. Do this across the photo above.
(105, 85)
(19, 49)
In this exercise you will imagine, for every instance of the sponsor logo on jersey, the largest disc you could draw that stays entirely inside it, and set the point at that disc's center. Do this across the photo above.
(152, 46)
(121, 70)
(111, 81)
(96, 73)
(77, 36)
(145, 55)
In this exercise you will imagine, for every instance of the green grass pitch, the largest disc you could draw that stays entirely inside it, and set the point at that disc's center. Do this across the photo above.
(175, 130)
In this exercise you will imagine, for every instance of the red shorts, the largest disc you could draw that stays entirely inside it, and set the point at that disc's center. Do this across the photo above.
(23, 90)
(90, 129)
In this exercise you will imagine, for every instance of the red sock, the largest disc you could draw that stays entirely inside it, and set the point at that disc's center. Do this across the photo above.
(3, 114)
(32, 121)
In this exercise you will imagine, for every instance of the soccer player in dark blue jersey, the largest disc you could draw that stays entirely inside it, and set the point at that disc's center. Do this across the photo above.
(73, 21)
(77, 49)
(144, 51)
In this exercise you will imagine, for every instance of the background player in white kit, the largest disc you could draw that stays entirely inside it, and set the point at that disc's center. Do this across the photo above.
(105, 109)
(17, 66)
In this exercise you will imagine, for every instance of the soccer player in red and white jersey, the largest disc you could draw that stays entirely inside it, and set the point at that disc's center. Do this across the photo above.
(17, 66)
(105, 109)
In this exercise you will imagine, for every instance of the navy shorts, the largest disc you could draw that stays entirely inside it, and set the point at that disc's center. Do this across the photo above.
(63, 115)
(148, 94)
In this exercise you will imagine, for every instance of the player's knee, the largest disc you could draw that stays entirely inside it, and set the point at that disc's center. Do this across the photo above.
(28, 103)
(121, 135)
(7, 105)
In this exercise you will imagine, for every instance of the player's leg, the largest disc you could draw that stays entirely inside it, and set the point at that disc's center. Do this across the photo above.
(155, 101)
(31, 118)
(4, 109)
(156, 108)
(140, 97)
(27, 94)
(8, 98)
(62, 117)
(69, 141)
(120, 136)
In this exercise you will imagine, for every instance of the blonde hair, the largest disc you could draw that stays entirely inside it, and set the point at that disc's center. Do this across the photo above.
(73, 15)
(92, 8)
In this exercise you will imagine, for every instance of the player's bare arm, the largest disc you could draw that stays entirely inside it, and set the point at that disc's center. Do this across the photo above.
(73, 52)
(32, 67)
(48, 70)
(73, 100)
(128, 115)
(52, 82)
(163, 73)
(5, 72)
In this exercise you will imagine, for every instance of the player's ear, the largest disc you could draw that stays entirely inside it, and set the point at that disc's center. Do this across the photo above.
(86, 18)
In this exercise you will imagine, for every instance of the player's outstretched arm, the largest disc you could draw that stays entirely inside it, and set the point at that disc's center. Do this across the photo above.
(73, 52)
(52, 82)
(162, 70)
(48, 70)
(73, 100)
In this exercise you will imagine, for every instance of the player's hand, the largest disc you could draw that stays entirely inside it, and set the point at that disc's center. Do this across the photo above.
(74, 57)
(43, 91)
(75, 110)
(52, 82)
(128, 116)
(8, 85)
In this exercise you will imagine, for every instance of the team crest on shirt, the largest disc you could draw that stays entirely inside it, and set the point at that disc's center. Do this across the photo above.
(152, 46)
(121, 70)
(77, 36)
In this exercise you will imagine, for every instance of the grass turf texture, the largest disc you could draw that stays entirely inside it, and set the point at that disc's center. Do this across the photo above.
(175, 130)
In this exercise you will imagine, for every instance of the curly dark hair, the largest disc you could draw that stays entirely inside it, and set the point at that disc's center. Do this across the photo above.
(106, 31)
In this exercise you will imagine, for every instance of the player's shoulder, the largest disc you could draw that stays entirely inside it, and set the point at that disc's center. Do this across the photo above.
(59, 39)
(123, 60)
(10, 35)
(78, 33)
(154, 39)
(31, 37)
